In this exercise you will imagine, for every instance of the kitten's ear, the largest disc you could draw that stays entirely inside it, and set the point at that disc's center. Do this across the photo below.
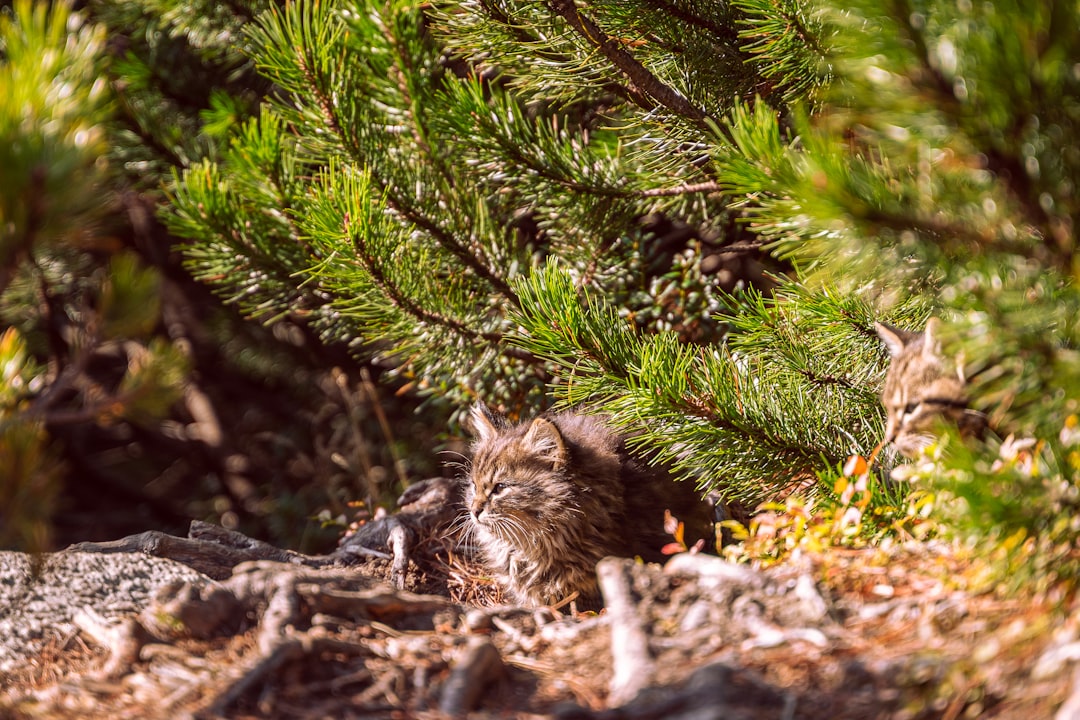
(931, 342)
(894, 339)
(480, 423)
(545, 441)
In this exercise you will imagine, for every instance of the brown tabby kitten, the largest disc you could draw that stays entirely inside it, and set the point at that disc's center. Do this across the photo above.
(921, 388)
(548, 499)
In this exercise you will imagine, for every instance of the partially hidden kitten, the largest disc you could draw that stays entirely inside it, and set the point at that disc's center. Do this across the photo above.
(922, 388)
(547, 499)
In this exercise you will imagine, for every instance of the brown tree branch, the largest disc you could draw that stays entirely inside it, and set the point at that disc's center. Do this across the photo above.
(639, 76)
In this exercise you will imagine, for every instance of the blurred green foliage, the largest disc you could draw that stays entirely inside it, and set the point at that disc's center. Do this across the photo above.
(138, 400)
(51, 142)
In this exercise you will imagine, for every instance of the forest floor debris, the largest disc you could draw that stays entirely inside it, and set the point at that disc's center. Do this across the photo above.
(891, 632)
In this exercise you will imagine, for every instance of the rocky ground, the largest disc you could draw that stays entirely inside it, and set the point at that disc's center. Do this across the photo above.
(405, 626)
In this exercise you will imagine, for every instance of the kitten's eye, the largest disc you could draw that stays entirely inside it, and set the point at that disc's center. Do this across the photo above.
(496, 489)
(911, 407)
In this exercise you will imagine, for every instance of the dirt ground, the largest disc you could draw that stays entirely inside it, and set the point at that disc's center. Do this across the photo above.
(874, 633)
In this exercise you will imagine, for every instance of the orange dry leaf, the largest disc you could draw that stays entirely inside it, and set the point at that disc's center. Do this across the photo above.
(672, 548)
(856, 465)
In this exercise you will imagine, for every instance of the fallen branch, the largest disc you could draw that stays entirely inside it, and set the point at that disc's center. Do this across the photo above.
(427, 509)
(208, 557)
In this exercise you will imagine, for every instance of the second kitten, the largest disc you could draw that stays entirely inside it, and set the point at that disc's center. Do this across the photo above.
(922, 388)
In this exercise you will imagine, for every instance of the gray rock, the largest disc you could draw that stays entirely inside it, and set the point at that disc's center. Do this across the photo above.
(40, 595)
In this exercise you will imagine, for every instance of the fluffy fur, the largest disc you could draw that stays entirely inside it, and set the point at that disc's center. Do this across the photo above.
(547, 499)
(921, 388)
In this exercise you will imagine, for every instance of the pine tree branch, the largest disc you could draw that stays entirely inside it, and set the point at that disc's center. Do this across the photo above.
(639, 76)
(287, 208)
(706, 410)
(689, 189)
(724, 33)
(395, 201)
(402, 70)
(518, 157)
(779, 462)
(795, 23)
(818, 380)
(402, 301)
(739, 248)
(519, 31)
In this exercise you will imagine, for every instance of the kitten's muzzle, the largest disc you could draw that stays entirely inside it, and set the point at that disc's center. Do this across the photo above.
(478, 513)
